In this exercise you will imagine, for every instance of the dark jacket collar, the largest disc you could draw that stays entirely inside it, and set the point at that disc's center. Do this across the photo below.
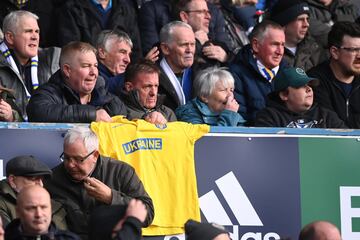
(104, 71)
(97, 96)
(131, 99)
(13, 231)
(247, 58)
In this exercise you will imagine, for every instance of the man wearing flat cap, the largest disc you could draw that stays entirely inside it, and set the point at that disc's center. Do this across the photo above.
(301, 50)
(23, 171)
(291, 104)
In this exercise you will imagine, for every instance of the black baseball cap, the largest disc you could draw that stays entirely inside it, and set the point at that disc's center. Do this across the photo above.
(27, 166)
(202, 231)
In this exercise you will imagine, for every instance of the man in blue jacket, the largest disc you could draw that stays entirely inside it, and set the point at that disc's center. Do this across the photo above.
(255, 66)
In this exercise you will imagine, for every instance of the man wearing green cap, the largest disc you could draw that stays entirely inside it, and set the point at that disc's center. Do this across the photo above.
(291, 104)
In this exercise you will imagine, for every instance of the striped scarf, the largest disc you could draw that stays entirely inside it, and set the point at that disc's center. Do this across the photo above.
(267, 73)
(34, 67)
(183, 90)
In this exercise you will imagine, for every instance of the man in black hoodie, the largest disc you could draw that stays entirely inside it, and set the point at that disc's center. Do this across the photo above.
(291, 104)
(339, 88)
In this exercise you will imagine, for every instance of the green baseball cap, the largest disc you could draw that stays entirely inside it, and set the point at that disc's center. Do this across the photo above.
(293, 77)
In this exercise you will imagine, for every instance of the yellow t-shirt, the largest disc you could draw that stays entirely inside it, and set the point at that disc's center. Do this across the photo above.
(163, 158)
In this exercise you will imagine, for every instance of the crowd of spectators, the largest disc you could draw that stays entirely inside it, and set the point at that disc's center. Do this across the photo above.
(276, 63)
(66, 61)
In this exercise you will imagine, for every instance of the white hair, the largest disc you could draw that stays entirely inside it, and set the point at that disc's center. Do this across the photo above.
(85, 134)
(205, 81)
(12, 20)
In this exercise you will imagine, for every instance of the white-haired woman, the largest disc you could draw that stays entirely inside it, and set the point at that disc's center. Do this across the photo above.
(214, 103)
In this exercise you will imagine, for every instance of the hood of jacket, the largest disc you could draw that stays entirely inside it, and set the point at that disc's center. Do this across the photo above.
(131, 99)
(13, 231)
(274, 101)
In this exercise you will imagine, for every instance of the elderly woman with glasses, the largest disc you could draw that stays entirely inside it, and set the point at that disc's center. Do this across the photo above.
(214, 103)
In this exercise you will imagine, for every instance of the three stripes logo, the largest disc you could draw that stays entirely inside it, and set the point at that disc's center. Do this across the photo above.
(237, 200)
(240, 206)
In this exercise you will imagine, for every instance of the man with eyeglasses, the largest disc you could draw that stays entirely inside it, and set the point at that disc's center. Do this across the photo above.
(209, 52)
(85, 180)
(23, 171)
(155, 14)
(339, 88)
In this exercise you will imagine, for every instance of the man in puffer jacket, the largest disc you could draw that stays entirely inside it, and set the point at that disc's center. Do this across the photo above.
(75, 94)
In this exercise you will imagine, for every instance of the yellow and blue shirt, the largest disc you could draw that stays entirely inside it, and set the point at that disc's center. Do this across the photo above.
(163, 158)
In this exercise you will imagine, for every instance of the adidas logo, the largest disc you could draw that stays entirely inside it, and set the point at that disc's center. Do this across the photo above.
(240, 206)
(237, 200)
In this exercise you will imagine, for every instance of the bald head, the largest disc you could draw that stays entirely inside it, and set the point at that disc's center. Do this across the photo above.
(320, 230)
(33, 208)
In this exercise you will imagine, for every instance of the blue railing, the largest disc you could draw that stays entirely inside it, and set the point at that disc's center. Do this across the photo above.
(235, 130)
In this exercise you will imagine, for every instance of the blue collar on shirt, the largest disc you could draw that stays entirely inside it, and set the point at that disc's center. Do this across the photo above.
(98, 5)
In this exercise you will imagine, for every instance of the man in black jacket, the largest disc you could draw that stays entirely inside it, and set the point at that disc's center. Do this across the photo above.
(339, 88)
(254, 67)
(86, 180)
(178, 48)
(209, 52)
(75, 93)
(141, 94)
(33, 210)
(291, 104)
